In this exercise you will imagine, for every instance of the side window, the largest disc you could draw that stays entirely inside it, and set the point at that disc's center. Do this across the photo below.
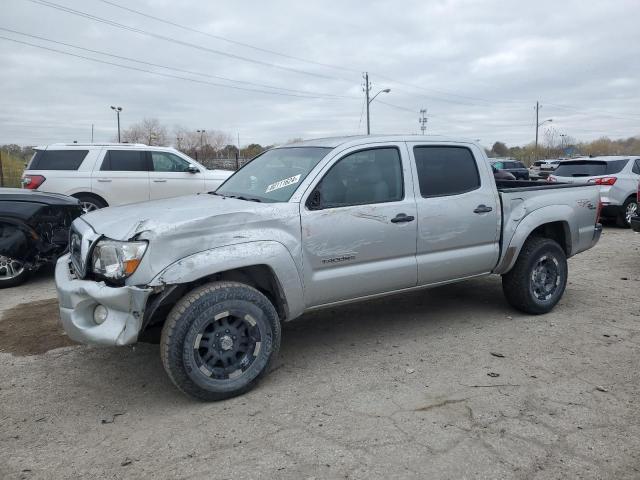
(446, 170)
(499, 165)
(519, 165)
(57, 159)
(636, 166)
(168, 162)
(362, 178)
(125, 161)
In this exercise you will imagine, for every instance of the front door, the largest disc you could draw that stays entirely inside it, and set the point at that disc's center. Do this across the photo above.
(458, 213)
(169, 176)
(359, 228)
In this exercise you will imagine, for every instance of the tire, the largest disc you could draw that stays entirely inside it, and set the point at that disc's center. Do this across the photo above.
(629, 209)
(90, 203)
(538, 279)
(237, 332)
(12, 272)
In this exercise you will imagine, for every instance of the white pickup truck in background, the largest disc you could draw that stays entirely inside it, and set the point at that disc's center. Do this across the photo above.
(112, 174)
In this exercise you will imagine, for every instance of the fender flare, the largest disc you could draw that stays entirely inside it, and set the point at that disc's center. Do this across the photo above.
(264, 252)
(537, 218)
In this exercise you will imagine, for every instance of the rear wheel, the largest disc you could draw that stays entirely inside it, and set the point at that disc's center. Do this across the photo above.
(629, 209)
(12, 272)
(219, 340)
(90, 203)
(538, 279)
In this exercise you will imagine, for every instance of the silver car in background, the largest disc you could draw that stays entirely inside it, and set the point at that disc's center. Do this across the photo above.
(617, 177)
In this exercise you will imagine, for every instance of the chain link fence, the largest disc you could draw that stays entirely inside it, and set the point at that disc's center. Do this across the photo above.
(224, 163)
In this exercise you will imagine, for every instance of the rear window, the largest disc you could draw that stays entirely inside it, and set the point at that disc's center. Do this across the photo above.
(125, 161)
(445, 170)
(537, 164)
(589, 168)
(57, 159)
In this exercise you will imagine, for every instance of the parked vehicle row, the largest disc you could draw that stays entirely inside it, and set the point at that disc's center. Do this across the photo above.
(541, 169)
(514, 167)
(617, 178)
(308, 226)
(112, 174)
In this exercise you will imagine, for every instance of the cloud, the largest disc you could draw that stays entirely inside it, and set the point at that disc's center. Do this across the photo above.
(478, 67)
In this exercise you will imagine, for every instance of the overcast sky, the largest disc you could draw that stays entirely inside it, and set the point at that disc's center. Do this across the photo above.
(478, 67)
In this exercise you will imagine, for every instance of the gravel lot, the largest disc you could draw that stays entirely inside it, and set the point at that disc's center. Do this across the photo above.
(444, 383)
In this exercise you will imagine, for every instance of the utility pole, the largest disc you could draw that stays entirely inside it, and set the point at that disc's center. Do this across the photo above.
(367, 90)
(92, 133)
(1, 172)
(117, 110)
(537, 125)
(423, 120)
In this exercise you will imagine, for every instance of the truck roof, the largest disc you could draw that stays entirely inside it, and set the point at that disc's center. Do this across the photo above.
(603, 158)
(333, 142)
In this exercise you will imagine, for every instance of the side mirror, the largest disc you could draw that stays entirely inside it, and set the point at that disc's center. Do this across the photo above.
(192, 169)
(315, 200)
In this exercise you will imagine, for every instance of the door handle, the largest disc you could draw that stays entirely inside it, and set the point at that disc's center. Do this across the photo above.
(402, 217)
(104, 180)
(482, 209)
(160, 181)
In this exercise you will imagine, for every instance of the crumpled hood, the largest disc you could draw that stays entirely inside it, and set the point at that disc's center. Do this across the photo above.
(189, 215)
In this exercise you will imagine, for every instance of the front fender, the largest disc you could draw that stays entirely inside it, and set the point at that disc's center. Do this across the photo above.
(512, 246)
(209, 262)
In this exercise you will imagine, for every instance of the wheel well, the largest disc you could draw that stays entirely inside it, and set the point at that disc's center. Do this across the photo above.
(92, 195)
(260, 277)
(558, 231)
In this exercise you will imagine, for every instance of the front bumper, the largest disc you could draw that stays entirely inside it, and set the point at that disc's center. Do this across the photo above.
(635, 224)
(78, 299)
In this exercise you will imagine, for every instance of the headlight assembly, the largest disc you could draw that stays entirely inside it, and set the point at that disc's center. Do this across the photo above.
(115, 260)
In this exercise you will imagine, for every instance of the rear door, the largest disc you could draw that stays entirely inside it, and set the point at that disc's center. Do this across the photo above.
(458, 212)
(122, 176)
(170, 176)
(358, 226)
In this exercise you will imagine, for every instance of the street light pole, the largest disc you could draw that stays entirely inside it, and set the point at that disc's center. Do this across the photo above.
(117, 110)
(538, 125)
(367, 90)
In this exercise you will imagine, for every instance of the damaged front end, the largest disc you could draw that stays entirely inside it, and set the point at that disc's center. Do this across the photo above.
(95, 313)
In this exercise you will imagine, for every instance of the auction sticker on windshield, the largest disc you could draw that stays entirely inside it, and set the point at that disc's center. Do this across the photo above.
(283, 183)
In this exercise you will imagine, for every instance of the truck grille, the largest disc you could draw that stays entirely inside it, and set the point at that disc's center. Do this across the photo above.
(82, 238)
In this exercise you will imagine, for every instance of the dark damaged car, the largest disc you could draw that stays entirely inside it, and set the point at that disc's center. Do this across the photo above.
(34, 231)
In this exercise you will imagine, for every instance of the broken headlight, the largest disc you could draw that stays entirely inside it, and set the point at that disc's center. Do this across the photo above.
(115, 260)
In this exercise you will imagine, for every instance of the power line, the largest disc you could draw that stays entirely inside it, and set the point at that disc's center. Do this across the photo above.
(180, 42)
(228, 40)
(191, 72)
(168, 75)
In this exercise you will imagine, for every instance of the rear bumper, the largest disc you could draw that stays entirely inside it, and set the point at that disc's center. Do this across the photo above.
(79, 298)
(611, 210)
(635, 224)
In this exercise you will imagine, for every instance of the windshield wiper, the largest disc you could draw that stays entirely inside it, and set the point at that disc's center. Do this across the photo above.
(248, 199)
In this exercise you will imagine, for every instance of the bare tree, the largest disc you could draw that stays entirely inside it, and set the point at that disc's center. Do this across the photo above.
(149, 131)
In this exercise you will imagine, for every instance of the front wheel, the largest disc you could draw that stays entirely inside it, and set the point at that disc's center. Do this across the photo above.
(538, 279)
(219, 340)
(12, 272)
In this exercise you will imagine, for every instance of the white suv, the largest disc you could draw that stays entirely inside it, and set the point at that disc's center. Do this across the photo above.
(111, 174)
(617, 177)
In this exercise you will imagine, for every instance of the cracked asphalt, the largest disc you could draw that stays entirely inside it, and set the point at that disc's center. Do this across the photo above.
(393, 388)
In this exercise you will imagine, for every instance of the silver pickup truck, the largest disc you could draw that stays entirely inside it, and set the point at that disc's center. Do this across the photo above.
(307, 226)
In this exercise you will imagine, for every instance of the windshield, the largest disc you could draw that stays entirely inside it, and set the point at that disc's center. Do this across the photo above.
(274, 175)
(589, 168)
